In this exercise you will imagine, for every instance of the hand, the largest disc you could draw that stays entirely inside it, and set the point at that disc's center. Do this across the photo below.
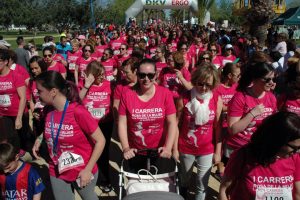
(36, 148)
(178, 73)
(129, 153)
(258, 110)
(176, 155)
(36, 115)
(18, 123)
(216, 158)
(89, 80)
(164, 152)
(85, 177)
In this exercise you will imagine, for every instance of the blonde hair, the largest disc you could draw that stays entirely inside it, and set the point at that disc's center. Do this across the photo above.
(95, 68)
(204, 72)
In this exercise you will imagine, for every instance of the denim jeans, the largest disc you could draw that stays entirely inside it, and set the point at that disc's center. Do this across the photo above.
(203, 164)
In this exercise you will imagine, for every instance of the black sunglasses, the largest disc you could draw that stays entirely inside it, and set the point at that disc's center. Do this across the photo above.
(87, 50)
(268, 80)
(48, 55)
(143, 75)
(295, 149)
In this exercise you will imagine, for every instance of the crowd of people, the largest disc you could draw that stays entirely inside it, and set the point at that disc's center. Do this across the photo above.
(201, 95)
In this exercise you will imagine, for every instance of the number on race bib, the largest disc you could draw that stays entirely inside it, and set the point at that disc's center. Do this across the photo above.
(97, 113)
(69, 161)
(5, 100)
(274, 194)
(72, 66)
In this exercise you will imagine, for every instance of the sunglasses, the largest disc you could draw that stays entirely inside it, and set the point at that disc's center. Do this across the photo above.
(205, 58)
(215, 50)
(48, 55)
(268, 80)
(295, 149)
(143, 75)
(200, 84)
(122, 48)
(87, 50)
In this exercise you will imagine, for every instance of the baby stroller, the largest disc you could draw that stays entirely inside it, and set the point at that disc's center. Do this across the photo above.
(149, 177)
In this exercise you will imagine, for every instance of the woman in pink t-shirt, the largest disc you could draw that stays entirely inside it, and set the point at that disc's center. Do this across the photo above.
(290, 99)
(199, 137)
(216, 57)
(96, 96)
(81, 64)
(252, 102)
(268, 166)
(37, 66)
(72, 56)
(74, 140)
(230, 75)
(110, 64)
(12, 98)
(53, 65)
(147, 115)
(161, 63)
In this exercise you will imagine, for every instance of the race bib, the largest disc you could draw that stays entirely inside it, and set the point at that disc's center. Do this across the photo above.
(68, 160)
(5, 100)
(97, 113)
(72, 66)
(116, 52)
(274, 194)
(226, 61)
(110, 78)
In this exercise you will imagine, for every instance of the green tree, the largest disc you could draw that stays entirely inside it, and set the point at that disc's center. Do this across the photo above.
(8, 12)
(203, 7)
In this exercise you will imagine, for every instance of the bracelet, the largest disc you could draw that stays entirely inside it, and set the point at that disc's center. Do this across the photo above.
(252, 114)
(86, 87)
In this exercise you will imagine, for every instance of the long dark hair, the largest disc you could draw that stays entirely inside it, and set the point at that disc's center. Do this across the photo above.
(275, 132)
(253, 72)
(40, 61)
(53, 79)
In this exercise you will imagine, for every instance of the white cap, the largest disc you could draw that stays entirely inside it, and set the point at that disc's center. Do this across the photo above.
(228, 46)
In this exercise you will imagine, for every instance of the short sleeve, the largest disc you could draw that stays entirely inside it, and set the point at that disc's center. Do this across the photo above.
(62, 68)
(122, 106)
(297, 165)
(187, 75)
(35, 182)
(85, 120)
(236, 105)
(118, 91)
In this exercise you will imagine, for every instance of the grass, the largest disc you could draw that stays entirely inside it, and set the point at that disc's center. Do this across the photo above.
(38, 38)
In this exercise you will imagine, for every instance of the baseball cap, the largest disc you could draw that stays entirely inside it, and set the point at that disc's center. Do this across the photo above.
(4, 44)
(228, 46)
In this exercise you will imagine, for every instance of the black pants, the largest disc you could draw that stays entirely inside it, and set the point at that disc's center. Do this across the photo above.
(103, 162)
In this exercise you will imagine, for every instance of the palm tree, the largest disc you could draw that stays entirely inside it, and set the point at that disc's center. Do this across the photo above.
(203, 7)
(259, 18)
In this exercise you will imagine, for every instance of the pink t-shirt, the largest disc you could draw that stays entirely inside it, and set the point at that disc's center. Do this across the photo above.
(160, 66)
(291, 105)
(58, 67)
(58, 57)
(152, 51)
(34, 92)
(226, 94)
(168, 79)
(98, 101)
(72, 57)
(121, 59)
(283, 173)
(22, 72)
(82, 63)
(9, 98)
(217, 61)
(240, 105)
(100, 49)
(78, 125)
(228, 59)
(119, 89)
(109, 66)
(197, 139)
(146, 120)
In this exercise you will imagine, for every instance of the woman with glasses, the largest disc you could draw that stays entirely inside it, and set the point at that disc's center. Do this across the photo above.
(147, 115)
(115, 42)
(268, 166)
(216, 57)
(205, 57)
(48, 53)
(124, 55)
(252, 102)
(230, 75)
(161, 63)
(228, 54)
(110, 64)
(199, 141)
(96, 96)
(189, 61)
